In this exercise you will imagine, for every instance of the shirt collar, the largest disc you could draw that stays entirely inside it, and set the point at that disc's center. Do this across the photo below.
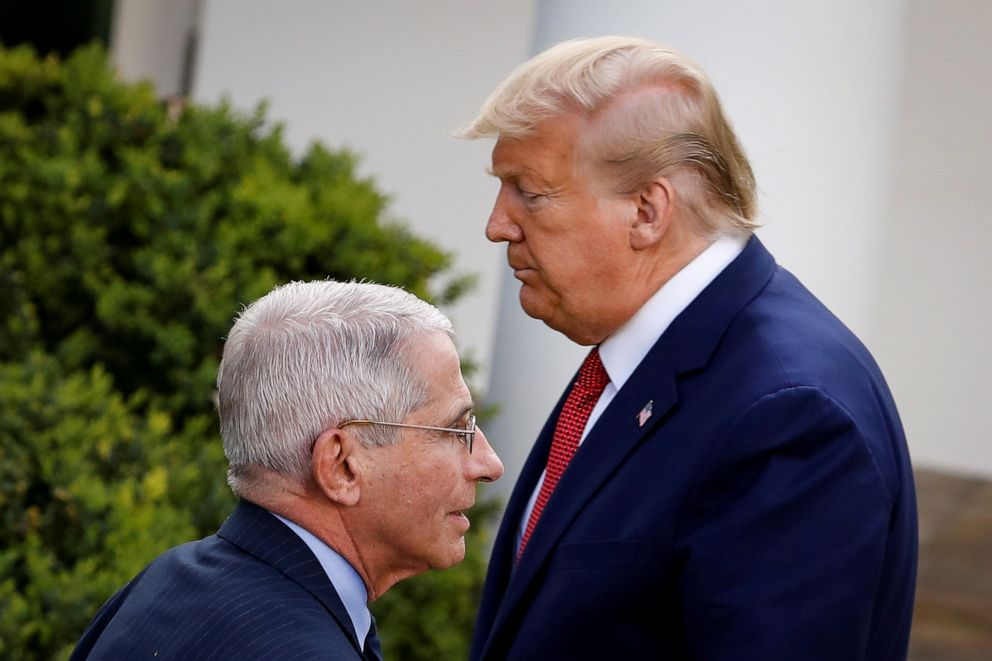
(346, 581)
(623, 351)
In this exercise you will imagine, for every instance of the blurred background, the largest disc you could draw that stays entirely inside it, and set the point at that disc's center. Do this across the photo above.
(863, 122)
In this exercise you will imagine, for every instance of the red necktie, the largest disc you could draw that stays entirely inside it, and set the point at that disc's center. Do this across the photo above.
(571, 422)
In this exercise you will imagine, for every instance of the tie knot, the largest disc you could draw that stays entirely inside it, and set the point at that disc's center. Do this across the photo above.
(592, 375)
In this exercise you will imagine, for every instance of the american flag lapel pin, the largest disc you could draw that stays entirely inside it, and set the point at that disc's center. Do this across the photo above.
(645, 413)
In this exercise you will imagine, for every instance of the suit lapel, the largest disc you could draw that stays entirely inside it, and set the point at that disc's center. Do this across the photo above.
(501, 562)
(686, 345)
(614, 436)
(261, 534)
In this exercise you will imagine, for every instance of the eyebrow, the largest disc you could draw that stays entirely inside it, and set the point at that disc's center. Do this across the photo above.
(461, 414)
(510, 172)
(514, 176)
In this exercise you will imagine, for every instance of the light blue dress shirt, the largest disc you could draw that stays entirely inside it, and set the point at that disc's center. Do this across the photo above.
(343, 577)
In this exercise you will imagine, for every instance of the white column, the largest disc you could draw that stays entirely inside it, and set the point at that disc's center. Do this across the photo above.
(811, 88)
(155, 41)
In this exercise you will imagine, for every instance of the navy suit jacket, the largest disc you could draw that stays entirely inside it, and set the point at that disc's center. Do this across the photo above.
(252, 591)
(765, 510)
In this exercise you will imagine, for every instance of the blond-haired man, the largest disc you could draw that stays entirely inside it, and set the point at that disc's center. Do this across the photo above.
(726, 477)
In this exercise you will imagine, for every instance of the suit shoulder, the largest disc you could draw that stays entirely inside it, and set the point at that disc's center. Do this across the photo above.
(786, 349)
(786, 327)
(211, 599)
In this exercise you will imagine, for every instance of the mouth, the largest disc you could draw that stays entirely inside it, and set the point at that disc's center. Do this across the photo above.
(519, 272)
(518, 261)
(460, 519)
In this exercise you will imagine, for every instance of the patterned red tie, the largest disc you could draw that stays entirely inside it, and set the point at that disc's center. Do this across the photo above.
(571, 422)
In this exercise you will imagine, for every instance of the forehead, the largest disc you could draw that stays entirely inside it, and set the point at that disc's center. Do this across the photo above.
(436, 362)
(549, 151)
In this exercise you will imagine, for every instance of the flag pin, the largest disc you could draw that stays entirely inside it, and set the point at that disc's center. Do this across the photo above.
(645, 413)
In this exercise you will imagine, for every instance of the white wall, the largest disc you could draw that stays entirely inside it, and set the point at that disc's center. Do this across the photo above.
(935, 302)
(391, 80)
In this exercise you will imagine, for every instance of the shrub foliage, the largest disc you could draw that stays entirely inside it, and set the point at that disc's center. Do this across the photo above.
(131, 233)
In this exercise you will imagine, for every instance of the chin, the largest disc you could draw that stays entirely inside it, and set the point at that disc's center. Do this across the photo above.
(533, 306)
(451, 557)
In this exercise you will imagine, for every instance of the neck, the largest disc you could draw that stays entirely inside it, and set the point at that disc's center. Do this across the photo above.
(327, 521)
(650, 272)
(670, 256)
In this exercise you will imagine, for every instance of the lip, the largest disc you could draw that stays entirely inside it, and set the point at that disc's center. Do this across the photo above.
(519, 260)
(460, 519)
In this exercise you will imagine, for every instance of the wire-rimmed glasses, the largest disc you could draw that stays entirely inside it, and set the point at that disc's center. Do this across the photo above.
(466, 435)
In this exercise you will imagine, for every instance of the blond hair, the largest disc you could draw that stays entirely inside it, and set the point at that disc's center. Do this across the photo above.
(652, 112)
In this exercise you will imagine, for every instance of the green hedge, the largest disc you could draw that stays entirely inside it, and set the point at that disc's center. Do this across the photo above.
(131, 233)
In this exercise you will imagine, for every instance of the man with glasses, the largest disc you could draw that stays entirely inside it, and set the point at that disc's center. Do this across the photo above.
(353, 448)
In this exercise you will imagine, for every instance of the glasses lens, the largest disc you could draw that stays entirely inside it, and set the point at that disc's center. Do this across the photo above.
(469, 435)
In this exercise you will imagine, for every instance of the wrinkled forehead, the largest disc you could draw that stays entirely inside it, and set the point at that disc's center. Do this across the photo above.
(434, 361)
(552, 141)
(557, 156)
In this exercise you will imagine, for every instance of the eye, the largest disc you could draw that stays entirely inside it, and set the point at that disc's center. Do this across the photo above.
(467, 436)
(527, 195)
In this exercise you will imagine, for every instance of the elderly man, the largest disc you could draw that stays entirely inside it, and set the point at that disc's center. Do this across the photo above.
(352, 445)
(726, 477)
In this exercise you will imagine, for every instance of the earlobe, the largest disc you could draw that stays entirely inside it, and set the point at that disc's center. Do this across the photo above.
(654, 213)
(336, 468)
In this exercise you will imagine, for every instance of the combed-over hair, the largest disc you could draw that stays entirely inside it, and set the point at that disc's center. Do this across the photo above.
(306, 357)
(652, 112)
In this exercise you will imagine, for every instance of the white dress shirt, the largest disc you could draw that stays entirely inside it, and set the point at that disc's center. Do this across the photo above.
(623, 351)
(346, 581)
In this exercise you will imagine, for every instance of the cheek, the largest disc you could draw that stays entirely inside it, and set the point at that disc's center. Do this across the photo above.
(432, 490)
(561, 260)
(572, 270)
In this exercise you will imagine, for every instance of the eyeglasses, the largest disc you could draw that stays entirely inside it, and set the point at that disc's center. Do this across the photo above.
(465, 435)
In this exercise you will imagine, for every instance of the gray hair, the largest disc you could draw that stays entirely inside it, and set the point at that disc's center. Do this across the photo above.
(306, 357)
(653, 113)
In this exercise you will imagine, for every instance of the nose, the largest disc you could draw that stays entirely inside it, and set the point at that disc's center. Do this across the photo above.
(501, 226)
(485, 465)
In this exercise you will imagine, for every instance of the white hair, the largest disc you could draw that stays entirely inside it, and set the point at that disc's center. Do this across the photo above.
(308, 356)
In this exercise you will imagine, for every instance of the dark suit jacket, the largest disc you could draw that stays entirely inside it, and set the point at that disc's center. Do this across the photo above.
(252, 591)
(765, 511)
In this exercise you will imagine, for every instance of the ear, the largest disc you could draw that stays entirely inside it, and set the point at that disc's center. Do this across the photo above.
(655, 206)
(336, 468)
